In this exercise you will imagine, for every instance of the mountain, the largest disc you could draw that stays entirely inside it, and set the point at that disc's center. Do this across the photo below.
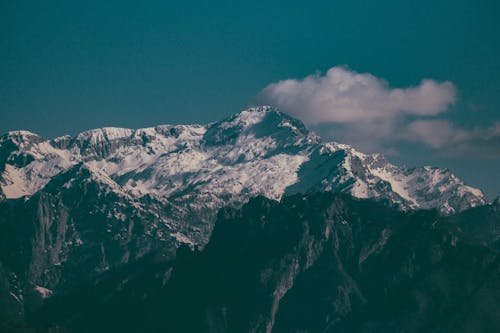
(258, 151)
(311, 263)
(73, 208)
(483, 223)
(77, 227)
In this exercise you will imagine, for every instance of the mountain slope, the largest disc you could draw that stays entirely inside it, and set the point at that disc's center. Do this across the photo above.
(78, 226)
(315, 263)
(482, 222)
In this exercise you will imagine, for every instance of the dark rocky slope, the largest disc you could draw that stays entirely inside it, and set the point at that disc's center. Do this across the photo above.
(72, 231)
(483, 222)
(316, 263)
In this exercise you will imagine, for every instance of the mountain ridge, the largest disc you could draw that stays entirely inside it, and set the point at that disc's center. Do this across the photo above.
(253, 145)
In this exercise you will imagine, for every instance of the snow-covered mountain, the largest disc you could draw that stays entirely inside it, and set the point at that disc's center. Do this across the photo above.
(72, 208)
(258, 151)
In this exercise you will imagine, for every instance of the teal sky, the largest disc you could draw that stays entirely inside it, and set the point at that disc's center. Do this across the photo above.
(67, 66)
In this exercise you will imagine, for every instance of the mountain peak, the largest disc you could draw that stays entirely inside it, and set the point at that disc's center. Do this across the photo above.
(21, 133)
(247, 119)
(20, 137)
(104, 134)
(259, 122)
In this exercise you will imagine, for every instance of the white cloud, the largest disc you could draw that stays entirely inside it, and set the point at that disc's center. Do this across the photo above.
(344, 96)
(435, 133)
(363, 110)
(442, 134)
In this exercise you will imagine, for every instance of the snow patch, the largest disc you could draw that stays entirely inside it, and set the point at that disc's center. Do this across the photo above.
(181, 238)
(44, 292)
(398, 185)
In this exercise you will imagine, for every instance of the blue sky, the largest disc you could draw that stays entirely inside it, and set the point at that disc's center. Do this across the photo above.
(70, 66)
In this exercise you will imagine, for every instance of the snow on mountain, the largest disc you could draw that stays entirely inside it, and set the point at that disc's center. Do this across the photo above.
(409, 187)
(258, 151)
(108, 196)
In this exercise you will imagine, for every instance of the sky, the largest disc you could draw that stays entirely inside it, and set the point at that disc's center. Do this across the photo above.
(418, 81)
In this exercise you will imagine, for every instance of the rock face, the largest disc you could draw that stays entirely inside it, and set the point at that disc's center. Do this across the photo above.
(78, 226)
(315, 263)
(482, 222)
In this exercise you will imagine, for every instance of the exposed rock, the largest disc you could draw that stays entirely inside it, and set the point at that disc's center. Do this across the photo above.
(319, 263)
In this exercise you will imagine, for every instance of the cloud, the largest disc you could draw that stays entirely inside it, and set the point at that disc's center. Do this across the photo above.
(435, 133)
(363, 110)
(483, 142)
(442, 134)
(344, 96)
